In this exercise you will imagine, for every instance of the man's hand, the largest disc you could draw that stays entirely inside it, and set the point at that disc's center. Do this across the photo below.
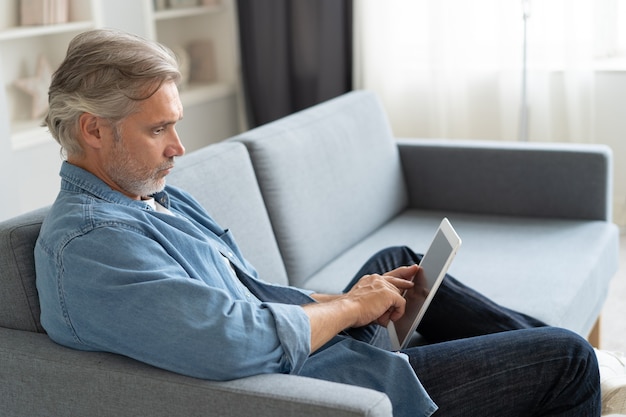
(377, 298)
(374, 298)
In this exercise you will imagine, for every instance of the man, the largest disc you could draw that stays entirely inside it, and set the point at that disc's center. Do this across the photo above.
(126, 264)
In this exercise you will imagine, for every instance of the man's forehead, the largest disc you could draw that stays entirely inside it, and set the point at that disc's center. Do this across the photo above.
(163, 107)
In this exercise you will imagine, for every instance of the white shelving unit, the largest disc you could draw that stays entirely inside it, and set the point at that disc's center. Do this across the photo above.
(24, 32)
(166, 14)
(212, 111)
(215, 23)
(29, 157)
(20, 49)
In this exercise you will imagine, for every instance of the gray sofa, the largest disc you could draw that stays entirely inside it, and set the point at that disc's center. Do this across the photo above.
(309, 198)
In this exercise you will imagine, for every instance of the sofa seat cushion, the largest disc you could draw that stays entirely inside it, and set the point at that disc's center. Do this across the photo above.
(521, 263)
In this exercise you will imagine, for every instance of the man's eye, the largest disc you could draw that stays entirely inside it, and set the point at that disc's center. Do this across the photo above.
(158, 131)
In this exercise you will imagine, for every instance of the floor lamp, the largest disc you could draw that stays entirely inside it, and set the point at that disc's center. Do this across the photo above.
(523, 123)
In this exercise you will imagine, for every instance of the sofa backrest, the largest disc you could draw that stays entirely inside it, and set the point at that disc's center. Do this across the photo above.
(221, 178)
(330, 175)
(19, 302)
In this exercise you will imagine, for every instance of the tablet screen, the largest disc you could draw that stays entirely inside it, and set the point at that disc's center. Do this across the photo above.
(434, 265)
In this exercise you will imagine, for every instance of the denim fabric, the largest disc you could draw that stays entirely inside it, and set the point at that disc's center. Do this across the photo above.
(482, 359)
(115, 275)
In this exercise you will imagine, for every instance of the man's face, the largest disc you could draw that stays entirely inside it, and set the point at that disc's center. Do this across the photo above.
(143, 146)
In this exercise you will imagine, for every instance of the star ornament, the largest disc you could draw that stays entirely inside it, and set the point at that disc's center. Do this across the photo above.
(37, 87)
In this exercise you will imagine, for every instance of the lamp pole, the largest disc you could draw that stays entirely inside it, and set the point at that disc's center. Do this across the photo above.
(523, 123)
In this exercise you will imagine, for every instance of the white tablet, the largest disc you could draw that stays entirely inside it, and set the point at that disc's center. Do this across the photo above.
(434, 266)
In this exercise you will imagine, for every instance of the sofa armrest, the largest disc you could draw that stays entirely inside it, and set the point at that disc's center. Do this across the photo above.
(556, 180)
(41, 378)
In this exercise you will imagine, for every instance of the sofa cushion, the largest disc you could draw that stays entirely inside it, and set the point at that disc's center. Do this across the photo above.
(330, 175)
(19, 301)
(523, 263)
(221, 178)
(510, 178)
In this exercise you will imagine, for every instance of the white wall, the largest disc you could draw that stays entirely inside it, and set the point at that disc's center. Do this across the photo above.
(8, 186)
(28, 177)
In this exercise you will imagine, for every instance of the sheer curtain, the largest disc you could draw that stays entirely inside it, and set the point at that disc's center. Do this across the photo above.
(453, 68)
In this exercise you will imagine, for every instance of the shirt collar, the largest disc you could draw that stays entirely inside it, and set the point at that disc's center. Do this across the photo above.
(74, 178)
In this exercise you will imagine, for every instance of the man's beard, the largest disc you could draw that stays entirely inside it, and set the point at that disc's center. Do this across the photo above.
(133, 178)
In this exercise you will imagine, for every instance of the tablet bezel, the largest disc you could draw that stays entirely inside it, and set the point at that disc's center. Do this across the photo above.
(445, 228)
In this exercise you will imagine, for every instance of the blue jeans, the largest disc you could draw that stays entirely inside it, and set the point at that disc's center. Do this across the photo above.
(481, 359)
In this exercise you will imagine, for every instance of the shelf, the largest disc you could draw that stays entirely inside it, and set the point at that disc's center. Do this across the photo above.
(28, 134)
(23, 32)
(186, 12)
(194, 94)
(176, 25)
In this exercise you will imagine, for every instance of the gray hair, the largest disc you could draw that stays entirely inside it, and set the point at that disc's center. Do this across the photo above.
(106, 73)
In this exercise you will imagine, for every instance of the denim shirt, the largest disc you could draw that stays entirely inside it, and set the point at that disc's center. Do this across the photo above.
(115, 275)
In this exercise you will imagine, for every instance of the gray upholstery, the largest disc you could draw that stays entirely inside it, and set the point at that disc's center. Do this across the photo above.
(309, 198)
(520, 179)
(329, 178)
(223, 181)
(19, 304)
(42, 379)
(556, 270)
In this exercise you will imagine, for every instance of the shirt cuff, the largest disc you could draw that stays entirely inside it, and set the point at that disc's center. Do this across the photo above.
(294, 332)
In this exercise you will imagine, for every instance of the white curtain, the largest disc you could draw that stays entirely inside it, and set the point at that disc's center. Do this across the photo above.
(453, 68)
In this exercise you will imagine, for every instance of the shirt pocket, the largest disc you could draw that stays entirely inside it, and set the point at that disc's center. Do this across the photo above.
(227, 237)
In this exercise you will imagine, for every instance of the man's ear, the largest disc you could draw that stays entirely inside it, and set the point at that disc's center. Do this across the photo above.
(92, 130)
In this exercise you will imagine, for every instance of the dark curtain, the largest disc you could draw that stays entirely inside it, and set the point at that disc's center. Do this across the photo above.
(294, 54)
